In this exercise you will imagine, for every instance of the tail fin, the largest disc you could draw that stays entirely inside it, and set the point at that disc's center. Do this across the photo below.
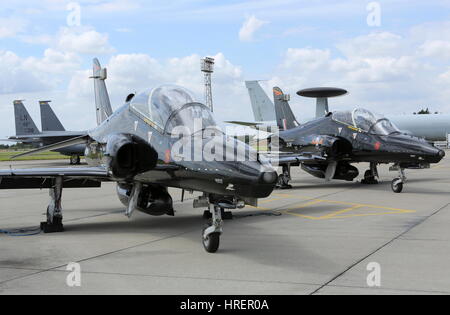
(263, 108)
(49, 120)
(102, 102)
(24, 123)
(285, 117)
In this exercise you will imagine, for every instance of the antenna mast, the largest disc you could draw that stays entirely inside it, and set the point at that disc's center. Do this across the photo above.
(207, 66)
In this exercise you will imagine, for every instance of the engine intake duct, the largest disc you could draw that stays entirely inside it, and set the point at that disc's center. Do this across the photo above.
(130, 155)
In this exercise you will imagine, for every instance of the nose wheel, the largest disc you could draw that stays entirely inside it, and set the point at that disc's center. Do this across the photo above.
(75, 160)
(213, 231)
(398, 183)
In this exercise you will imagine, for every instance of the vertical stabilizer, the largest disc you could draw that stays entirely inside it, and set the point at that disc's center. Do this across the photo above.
(285, 117)
(49, 120)
(102, 102)
(24, 123)
(263, 108)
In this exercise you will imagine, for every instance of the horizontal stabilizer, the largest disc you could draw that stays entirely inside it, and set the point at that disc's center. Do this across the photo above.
(56, 146)
(243, 123)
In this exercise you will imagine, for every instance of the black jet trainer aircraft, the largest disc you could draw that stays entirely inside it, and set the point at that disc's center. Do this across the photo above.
(135, 147)
(340, 139)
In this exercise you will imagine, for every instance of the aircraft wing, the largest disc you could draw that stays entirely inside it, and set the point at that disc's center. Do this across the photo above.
(86, 172)
(80, 177)
(40, 178)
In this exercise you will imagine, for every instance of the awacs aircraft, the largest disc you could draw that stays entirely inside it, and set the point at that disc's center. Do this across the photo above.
(339, 139)
(52, 129)
(136, 147)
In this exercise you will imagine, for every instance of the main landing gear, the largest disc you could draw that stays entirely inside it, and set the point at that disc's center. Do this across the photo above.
(285, 178)
(75, 159)
(54, 209)
(371, 176)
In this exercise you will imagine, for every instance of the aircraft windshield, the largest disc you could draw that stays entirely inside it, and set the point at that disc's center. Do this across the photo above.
(158, 105)
(193, 117)
(366, 121)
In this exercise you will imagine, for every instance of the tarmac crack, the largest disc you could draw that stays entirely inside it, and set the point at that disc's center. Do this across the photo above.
(380, 248)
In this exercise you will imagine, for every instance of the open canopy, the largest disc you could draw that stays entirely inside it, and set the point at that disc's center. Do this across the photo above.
(366, 121)
(170, 106)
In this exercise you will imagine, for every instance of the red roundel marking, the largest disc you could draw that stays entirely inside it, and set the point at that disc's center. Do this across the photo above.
(377, 146)
(167, 157)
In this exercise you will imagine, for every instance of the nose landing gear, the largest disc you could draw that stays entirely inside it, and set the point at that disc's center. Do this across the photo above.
(75, 160)
(397, 183)
(213, 231)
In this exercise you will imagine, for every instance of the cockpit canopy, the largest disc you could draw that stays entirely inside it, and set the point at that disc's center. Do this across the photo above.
(366, 121)
(169, 106)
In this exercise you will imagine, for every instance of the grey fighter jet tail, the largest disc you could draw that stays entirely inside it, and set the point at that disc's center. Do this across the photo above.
(263, 109)
(102, 102)
(24, 123)
(285, 117)
(49, 120)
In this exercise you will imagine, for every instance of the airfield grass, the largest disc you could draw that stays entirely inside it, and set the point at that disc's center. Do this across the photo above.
(7, 155)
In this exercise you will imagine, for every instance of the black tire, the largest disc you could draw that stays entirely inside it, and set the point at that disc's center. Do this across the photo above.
(368, 174)
(212, 242)
(397, 186)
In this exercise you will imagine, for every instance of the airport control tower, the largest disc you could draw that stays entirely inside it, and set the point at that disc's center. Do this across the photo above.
(207, 65)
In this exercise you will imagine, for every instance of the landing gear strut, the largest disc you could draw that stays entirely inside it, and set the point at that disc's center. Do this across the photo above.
(54, 209)
(285, 178)
(397, 183)
(371, 176)
(75, 160)
(212, 232)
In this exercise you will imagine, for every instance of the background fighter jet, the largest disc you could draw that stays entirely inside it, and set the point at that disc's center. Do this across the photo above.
(52, 131)
(135, 147)
(343, 138)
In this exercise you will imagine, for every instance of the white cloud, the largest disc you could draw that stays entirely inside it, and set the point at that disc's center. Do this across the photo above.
(375, 44)
(439, 49)
(10, 27)
(84, 41)
(249, 28)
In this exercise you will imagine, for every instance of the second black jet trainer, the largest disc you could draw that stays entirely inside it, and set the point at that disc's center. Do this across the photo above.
(343, 138)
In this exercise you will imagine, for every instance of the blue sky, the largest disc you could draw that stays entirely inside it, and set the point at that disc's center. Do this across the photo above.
(396, 67)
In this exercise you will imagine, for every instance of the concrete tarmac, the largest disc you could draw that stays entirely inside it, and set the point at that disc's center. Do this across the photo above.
(318, 238)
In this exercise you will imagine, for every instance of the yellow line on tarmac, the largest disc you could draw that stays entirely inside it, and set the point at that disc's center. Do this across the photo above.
(334, 214)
